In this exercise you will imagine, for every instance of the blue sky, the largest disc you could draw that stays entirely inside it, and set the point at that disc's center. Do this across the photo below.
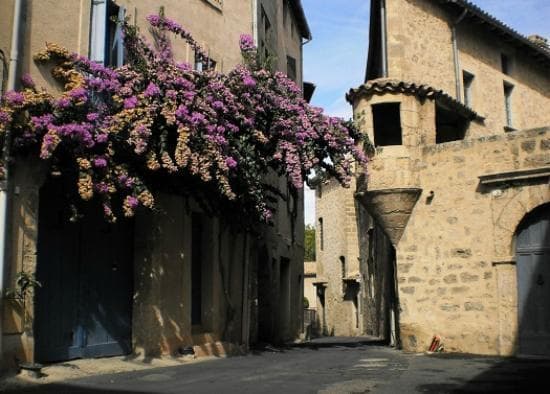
(335, 59)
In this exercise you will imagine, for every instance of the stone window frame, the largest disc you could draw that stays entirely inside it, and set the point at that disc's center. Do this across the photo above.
(468, 79)
(508, 88)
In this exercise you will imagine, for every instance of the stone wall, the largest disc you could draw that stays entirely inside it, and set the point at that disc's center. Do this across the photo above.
(455, 264)
(339, 246)
(420, 50)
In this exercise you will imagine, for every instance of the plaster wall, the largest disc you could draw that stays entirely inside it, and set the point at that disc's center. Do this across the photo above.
(161, 322)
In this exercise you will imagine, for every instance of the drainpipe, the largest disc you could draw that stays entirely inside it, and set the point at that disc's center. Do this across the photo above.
(12, 73)
(255, 21)
(455, 54)
(383, 39)
(302, 62)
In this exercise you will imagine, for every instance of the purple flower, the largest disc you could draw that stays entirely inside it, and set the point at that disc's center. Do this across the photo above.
(217, 104)
(100, 162)
(230, 162)
(246, 43)
(249, 81)
(4, 117)
(132, 202)
(27, 81)
(78, 94)
(92, 116)
(14, 98)
(151, 90)
(182, 111)
(130, 102)
(102, 187)
(197, 118)
(63, 102)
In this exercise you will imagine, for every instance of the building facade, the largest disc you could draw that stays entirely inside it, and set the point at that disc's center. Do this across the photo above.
(170, 279)
(454, 102)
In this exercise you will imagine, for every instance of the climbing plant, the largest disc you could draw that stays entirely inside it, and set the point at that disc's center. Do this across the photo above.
(153, 124)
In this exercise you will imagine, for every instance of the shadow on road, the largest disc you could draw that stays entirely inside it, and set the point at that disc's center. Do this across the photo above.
(319, 343)
(508, 376)
(67, 388)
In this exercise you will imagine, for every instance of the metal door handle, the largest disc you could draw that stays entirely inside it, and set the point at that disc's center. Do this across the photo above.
(540, 280)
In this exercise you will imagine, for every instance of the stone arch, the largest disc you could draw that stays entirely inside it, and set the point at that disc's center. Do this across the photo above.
(508, 212)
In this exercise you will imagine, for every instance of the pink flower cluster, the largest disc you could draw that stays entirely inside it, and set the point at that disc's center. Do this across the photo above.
(212, 136)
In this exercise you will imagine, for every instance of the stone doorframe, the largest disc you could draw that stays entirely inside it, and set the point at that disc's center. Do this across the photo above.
(508, 208)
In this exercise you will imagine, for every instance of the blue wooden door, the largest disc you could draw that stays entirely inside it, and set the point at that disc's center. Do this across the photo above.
(533, 272)
(83, 308)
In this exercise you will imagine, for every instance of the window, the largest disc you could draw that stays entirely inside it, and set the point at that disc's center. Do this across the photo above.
(467, 81)
(285, 12)
(449, 126)
(106, 46)
(505, 63)
(321, 234)
(202, 64)
(387, 124)
(343, 266)
(508, 88)
(291, 68)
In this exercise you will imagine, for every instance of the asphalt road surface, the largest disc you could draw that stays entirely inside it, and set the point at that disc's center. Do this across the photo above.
(332, 365)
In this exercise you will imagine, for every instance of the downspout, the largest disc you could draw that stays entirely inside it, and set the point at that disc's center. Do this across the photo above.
(255, 21)
(12, 73)
(383, 39)
(455, 54)
(302, 61)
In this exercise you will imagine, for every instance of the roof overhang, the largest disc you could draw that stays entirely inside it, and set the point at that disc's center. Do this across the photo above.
(298, 12)
(476, 14)
(391, 86)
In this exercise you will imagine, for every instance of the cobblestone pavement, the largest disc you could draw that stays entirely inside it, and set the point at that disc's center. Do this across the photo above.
(331, 365)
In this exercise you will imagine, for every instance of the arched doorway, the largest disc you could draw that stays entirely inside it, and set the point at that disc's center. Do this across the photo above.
(533, 278)
(83, 308)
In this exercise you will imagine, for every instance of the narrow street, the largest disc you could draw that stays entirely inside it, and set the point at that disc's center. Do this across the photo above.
(331, 365)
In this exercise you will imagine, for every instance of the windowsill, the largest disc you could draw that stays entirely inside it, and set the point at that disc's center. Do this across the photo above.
(509, 129)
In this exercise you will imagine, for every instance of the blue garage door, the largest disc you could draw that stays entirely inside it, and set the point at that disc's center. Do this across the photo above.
(83, 308)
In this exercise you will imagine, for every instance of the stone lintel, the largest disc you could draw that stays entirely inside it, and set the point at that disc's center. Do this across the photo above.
(514, 176)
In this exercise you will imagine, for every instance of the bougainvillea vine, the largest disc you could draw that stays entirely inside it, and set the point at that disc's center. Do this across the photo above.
(155, 124)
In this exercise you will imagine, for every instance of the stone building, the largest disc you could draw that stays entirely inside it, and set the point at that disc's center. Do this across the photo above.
(455, 104)
(170, 279)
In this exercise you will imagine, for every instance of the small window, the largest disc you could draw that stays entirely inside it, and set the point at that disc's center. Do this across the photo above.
(467, 81)
(505, 63)
(291, 68)
(114, 47)
(204, 64)
(343, 267)
(508, 88)
(321, 234)
(106, 43)
(449, 126)
(387, 124)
